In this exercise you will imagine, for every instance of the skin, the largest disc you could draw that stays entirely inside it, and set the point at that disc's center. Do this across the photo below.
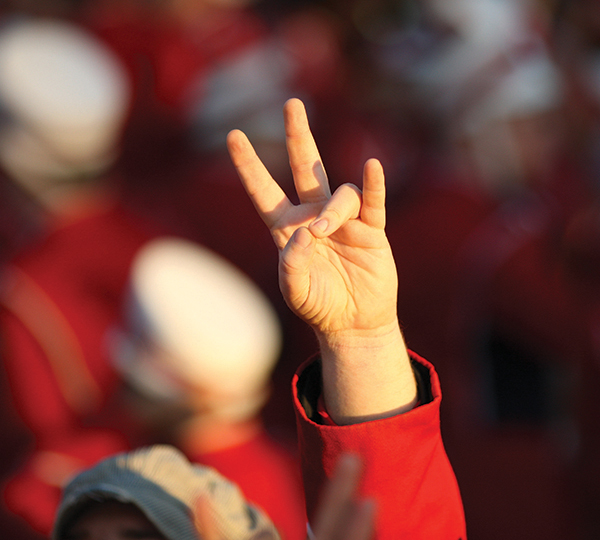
(112, 520)
(336, 272)
(340, 516)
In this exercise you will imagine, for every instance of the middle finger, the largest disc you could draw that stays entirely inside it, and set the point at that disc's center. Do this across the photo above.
(310, 178)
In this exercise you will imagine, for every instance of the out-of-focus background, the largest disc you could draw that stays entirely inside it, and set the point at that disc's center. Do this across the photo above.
(113, 117)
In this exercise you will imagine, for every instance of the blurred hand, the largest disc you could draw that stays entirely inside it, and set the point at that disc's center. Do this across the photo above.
(340, 516)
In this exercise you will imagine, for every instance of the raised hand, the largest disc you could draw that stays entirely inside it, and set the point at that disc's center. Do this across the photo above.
(336, 271)
(336, 267)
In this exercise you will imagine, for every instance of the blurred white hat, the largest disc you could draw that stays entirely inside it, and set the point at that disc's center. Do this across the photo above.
(484, 21)
(495, 66)
(63, 96)
(533, 85)
(203, 324)
(245, 91)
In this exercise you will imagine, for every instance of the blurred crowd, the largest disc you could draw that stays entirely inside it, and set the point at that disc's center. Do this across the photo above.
(115, 180)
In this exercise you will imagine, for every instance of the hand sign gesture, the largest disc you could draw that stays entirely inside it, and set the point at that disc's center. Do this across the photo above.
(336, 269)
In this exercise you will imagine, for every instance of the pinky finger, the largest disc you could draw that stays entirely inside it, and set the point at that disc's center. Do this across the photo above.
(373, 207)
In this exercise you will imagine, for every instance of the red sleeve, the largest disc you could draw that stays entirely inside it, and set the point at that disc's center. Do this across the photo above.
(406, 469)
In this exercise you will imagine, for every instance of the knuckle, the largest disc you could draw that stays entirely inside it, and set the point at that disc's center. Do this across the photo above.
(333, 213)
(349, 188)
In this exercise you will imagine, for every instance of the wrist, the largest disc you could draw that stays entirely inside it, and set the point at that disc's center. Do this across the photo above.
(360, 340)
(366, 374)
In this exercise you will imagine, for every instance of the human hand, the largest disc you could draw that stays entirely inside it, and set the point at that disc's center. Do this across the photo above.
(336, 272)
(336, 268)
(340, 515)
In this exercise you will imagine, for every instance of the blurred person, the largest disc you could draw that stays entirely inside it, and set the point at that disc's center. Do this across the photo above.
(155, 492)
(484, 222)
(21, 219)
(199, 69)
(352, 83)
(64, 99)
(197, 349)
(575, 38)
(197, 66)
(576, 32)
(53, 140)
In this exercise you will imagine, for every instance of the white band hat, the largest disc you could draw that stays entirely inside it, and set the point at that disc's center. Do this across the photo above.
(64, 97)
(209, 324)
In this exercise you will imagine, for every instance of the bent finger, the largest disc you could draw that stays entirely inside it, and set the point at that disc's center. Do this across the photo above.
(294, 262)
(343, 206)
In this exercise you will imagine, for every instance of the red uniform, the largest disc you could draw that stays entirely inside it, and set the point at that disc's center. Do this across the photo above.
(405, 467)
(59, 298)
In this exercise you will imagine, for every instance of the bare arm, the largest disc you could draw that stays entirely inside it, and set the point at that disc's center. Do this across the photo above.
(336, 272)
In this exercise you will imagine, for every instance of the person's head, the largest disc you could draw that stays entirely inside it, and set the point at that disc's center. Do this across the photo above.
(198, 333)
(64, 98)
(111, 520)
(153, 493)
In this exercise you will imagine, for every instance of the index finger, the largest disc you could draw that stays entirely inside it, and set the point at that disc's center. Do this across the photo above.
(267, 196)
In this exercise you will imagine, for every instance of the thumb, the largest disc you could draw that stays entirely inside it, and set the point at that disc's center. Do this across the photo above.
(294, 264)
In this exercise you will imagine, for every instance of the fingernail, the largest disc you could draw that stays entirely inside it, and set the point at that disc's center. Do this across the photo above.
(321, 225)
(303, 238)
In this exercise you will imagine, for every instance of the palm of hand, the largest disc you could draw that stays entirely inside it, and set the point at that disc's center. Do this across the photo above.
(346, 282)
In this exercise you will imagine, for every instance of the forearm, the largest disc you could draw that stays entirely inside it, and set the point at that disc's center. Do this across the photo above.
(366, 375)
